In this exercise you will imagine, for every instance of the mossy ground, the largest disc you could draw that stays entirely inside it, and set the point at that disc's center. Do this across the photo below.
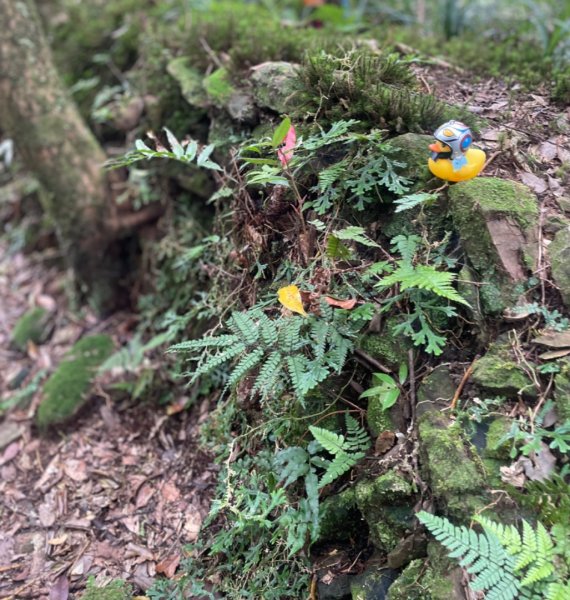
(65, 391)
(31, 327)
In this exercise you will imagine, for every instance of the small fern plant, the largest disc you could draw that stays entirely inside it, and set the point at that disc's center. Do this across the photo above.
(424, 288)
(285, 354)
(506, 564)
(346, 450)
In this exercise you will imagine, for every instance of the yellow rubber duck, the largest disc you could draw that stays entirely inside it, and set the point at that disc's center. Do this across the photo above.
(452, 158)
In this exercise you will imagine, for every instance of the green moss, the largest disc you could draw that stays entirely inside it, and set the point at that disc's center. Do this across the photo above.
(414, 151)
(452, 469)
(407, 586)
(562, 391)
(385, 504)
(32, 326)
(190, 81)
(219, 87)
(65, 391)
(494, 447)
(436, 389)
(474, 204)
(339, 519)
(559, 252)
(379, 90)
(115, 590)
(499, 372)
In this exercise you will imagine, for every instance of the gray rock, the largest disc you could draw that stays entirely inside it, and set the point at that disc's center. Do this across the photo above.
(273, 85)
(559, 252)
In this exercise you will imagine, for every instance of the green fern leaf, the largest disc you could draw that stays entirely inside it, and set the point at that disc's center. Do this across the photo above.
(558, 591)
(290, 335)
(296, 367)
(243, 325)
(341, 463)
(246, 364)
(268, 374)
(269, 332)
(356, 437)
(330, 441)
(205, 342)
(213, 362)
(291, 464)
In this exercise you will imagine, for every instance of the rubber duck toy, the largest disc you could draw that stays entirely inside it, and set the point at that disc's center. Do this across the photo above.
(452, 157)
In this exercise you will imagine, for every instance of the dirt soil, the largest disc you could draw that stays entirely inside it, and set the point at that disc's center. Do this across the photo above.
(120, 491)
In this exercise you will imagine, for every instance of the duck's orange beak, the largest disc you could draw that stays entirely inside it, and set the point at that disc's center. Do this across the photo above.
(439, 147)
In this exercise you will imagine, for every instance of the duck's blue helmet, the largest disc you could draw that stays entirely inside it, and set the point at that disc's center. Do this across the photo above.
(458, 137)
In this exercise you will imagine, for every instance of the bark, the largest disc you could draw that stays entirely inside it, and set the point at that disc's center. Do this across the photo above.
(57, 146)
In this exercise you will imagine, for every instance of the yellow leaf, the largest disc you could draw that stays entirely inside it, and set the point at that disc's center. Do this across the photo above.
(290, 297)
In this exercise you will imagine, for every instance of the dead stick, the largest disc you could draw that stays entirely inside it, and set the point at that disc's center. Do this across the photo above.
(461, 385)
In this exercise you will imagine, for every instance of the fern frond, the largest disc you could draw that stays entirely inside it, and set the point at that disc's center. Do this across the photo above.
(332, 442)
(246, 364)
(205, 342)
(213, 362)
(356, 437)
(341, 463)
(243, 325)
(290, 335)
(529, 547)
(269, 331)
(296, 367)
(268, 374)
(542, 564)
(508, 535)
(558, 591)
(489, 562)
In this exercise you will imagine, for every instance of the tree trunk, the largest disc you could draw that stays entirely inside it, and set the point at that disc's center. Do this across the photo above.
(57, 146)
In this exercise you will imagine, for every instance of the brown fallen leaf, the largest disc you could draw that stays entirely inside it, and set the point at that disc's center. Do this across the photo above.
(60, 589)
(346, 304)
(536, 184)
(558, 339)
(58, 541)
(169, 565)
(554, 354)
(384, 442)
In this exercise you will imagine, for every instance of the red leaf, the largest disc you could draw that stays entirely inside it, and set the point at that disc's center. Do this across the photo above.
(346, 304)
(285, 153)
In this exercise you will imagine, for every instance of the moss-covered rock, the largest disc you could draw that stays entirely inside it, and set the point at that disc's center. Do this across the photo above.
(386, 505)
(434, 579)
(497, 221)
(389, 349)
(499, 372)
(33, 326)
(559, 252)
(274, 85)
(339, 519)
(373, 583)
(436, 390)
(562, 392)
(65, 391)
(452, 469)
(495, 446)
(190, 81)
(219, 87)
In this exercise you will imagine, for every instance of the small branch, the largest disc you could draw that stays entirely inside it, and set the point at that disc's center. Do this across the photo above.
(366, 358)
(461, 385)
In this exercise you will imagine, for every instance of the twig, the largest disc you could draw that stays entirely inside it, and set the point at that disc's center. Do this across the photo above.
(412, 378)
(461, 385)
(366, 358)
(491, 159)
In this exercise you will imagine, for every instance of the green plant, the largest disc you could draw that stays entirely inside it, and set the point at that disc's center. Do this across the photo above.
(388, 388)
(187, 154)
(288, 353)
(506, 564)
(528, 437)
(346, 450)
(423, 287)
(553, 319)
(114, 590)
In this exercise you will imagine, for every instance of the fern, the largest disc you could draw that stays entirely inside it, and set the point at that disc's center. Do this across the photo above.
(481, 554)
(347, 451)
(295, 353)
(506, 564)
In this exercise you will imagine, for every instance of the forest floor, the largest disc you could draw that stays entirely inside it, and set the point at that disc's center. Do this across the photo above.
(124, 487)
